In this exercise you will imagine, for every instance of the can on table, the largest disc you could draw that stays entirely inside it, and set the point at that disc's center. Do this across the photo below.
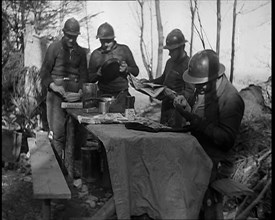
(90, 158)
(103, 107)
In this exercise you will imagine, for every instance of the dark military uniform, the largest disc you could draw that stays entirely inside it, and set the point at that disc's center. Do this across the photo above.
(172, 78)
(60, 62)
(119, 86)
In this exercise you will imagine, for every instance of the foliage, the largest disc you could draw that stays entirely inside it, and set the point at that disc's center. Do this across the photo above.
(26, 98)
(15, 15)
(11, 73)
(9, 121)
(253, 168)
(41, 14)
(252, 155)
(20, 90)
(25, 107)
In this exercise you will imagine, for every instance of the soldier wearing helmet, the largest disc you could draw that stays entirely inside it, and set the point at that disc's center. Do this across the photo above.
(172, 78)
(114, 82)
(63, 70)
(214, 114)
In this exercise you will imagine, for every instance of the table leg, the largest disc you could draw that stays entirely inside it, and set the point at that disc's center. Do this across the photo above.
(69, 148)
(46, 209)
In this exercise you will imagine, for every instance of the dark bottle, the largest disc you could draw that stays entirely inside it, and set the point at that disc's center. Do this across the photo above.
(90, 161)
(130, 108)
(130, 102)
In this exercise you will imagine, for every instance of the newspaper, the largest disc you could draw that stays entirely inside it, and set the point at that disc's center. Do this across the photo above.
(150, 89)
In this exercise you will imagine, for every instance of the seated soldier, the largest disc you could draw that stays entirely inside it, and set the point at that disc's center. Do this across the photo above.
(214, 114)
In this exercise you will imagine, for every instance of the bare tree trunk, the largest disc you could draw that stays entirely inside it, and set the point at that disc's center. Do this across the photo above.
(160, 39)
(61, 16)
(87, 26)
(193, 12)
(218, 26)
(147, 64)
(233, 41)
(23, 27)
(152, 42)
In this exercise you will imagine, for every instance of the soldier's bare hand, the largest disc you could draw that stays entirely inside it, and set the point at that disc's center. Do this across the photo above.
(123, 66)
(169, 93)
(181, 101)
(58, 89)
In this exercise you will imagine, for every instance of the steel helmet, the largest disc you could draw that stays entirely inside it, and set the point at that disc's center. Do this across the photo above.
(105, 31)
(174, 39)
(203, 67)
(71, 27)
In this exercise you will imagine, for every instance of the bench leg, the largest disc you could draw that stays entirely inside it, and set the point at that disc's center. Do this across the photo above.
(46, 209)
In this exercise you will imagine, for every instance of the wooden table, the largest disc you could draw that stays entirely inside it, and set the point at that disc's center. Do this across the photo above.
(163, 174)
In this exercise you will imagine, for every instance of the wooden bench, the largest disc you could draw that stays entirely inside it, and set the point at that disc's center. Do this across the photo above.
(48, 180)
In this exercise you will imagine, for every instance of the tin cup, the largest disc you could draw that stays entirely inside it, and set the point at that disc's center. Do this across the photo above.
(104, 107)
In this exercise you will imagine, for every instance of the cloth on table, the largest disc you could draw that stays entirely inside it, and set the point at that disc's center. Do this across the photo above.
(162, 174)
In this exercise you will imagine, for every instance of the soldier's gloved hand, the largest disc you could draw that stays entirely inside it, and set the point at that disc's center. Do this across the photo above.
(123, 67)
(58, 89)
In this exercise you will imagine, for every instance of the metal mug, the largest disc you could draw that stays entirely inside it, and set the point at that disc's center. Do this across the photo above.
(104, 107)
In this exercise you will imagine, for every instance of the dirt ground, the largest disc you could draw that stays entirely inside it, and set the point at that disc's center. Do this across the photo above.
(18, 202)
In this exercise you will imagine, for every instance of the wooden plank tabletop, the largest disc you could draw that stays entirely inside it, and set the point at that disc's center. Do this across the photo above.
(48, 179)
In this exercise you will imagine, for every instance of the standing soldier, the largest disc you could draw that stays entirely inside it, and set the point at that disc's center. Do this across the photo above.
(64, 70)
(172, 78)
(114, 83)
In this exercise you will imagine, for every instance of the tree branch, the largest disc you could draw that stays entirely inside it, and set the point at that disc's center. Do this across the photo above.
(246, 212)
(254, 9)
(199, 19)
